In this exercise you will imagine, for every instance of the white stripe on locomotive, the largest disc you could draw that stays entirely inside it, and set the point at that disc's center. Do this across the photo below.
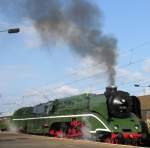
(66, 116)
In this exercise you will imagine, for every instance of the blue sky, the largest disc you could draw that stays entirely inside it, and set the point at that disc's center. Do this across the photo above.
(30, 73)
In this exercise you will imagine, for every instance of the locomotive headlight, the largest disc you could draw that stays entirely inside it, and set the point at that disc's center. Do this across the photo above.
(116, 127)
(136, 127)
(123, 100)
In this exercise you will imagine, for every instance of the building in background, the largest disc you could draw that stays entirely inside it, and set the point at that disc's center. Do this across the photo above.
(145, 107)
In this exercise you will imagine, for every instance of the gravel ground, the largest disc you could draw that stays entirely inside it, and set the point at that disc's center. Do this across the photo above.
(15, 140)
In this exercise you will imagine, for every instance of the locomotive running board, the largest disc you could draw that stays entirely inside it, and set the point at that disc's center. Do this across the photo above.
(67, 116)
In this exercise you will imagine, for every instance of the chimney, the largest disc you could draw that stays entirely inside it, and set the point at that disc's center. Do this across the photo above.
(110, 90)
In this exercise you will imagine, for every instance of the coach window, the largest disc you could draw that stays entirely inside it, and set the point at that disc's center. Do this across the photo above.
(49, 108)
(39, 109)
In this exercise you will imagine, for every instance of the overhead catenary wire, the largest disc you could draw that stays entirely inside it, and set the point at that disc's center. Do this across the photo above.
(89, 77)
(94, 66)
(75, 81)
(141, 92)
(139, 46)
(145, 43)
(127, 83)
(84, 78)
(94, 90)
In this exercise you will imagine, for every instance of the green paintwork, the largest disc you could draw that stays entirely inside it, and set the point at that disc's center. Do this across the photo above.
(81, 104)
(3, 125)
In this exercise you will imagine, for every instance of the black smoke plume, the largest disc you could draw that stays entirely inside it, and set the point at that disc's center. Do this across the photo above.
(75, 23)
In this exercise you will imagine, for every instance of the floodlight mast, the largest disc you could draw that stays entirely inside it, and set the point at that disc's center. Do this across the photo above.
(11, 30)
(143, 86)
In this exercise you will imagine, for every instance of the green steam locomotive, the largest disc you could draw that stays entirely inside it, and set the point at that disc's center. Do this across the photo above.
(113, 117)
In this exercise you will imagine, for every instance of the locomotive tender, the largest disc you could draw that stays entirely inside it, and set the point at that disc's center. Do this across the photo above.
(113, 117)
